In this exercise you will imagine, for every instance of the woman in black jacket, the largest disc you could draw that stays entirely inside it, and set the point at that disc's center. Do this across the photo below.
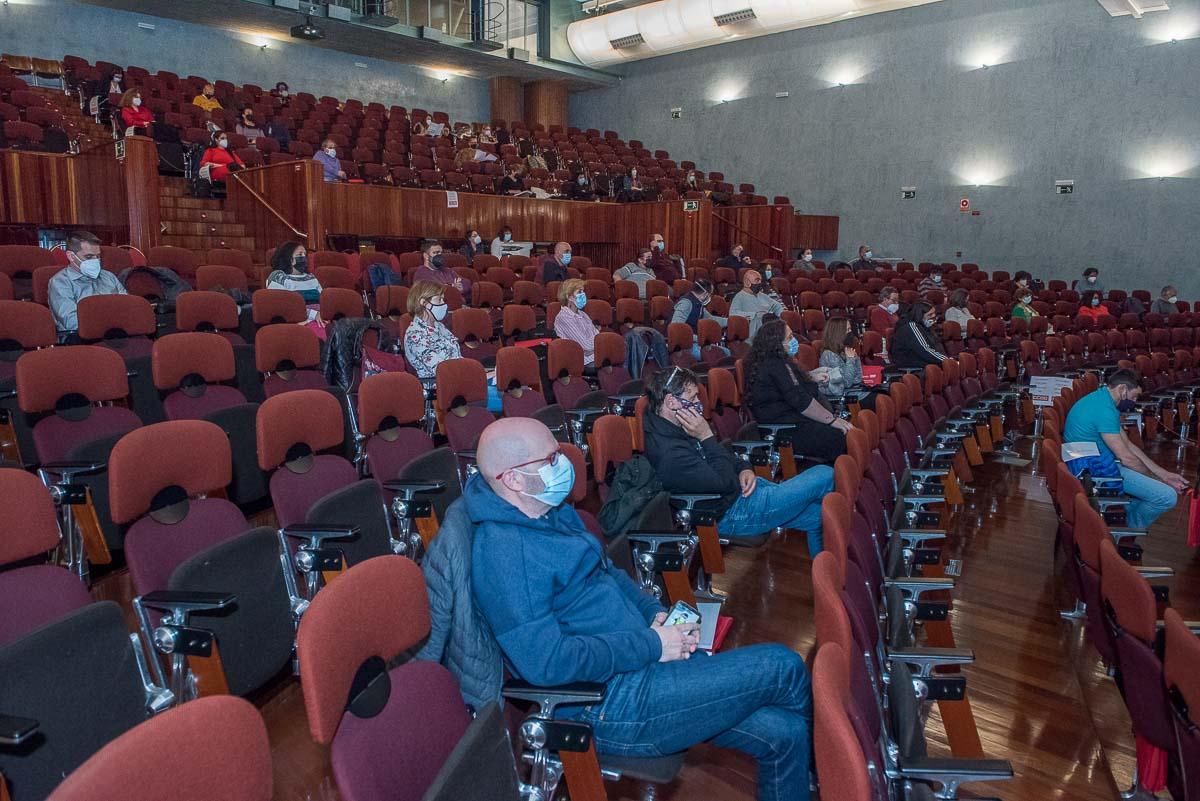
(912, 343)
(782, 392)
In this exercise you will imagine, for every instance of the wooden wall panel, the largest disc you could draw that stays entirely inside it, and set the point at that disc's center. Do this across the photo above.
(294, 190)
(53, 189)
(816, 231)
(546, 102)
(687, 233)
(765, 231)
(508, 99)
(141, 192)
(99, 189)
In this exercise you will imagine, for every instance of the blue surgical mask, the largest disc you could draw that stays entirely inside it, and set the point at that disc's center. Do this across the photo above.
(507, 236)
(566, 258)
(580, 300)
(892, 307)
(558, 478)
(1095, 301)
(793, 346)
(90, 267)
(660, 245)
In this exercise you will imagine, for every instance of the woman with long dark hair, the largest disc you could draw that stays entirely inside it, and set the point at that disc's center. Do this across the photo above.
(913, 344)
(780, 391)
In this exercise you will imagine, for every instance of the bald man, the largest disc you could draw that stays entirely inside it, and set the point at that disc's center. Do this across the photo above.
(555, 269)
(753, 302)
(563, 613)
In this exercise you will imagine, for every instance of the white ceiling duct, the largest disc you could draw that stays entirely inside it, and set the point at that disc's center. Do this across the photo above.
(668, 26)
(1136, 8)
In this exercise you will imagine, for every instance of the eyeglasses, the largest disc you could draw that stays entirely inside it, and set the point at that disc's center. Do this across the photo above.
(551, 460)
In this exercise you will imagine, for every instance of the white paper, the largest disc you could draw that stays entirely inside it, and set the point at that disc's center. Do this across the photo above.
(452, 200)
(1078, 450)
(709, 612)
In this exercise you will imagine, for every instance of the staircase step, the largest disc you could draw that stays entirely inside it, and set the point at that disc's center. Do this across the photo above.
(193, 203)
(179, 228)
(197, 215)
(209, 242)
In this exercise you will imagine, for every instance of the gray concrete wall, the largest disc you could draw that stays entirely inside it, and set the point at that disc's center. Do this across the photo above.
(1069, 93)
(54, 28)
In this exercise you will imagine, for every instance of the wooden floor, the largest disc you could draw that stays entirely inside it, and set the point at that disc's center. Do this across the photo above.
(1040, 697)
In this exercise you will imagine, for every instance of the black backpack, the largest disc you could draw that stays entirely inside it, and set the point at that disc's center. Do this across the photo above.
(634, 486)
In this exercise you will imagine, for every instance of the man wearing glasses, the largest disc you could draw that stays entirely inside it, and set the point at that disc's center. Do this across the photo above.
(563, 613)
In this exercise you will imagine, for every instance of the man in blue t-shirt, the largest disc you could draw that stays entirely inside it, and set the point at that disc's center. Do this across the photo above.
(1096, 418)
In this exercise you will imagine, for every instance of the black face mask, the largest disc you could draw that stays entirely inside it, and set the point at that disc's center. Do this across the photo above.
(1125, 406)
(300, 265)
(437, 261)
(756, 288)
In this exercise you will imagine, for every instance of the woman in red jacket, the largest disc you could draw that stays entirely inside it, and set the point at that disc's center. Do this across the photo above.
(1092, 309)
(222, 160)
(134, 114)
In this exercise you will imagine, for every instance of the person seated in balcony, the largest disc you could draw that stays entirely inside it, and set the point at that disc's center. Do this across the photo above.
(957, 310)
(1091, 280)
(207, 99)
(554, 268)
(579, 189)
(632, 188)
(486, 137)
(562, 613)
(330, 166)
(280, 92)
(805, 260)
(572, 322)
(1023, 309)
(882, 317)
(277, 129)
(1164, 304)
(732, 259)
(434, 268)
(1096, 419)
(688, 459)
(689, 184)
(220, 160)
(472, 247)
(638, 271)
(865, 260)
(82, 278)
(781, 391)
(248, 126)
(931, 282)
(136, 118)
(913, 344)
(512, 183)
(754, 302)
(289, 271)
(1091, 307)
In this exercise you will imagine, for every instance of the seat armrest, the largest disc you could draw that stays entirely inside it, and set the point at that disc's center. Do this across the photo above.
(186, 601)
(932, 656)
(581, 414)
(773, 429)
(550, 698)
(752, 444)
(1122, 533)
(72, 468)
(1154, 571)
(956, 771)
(919, 583)
(656, 538)
(409, 488)
(316, 534)
(689, 501)
(16, 730)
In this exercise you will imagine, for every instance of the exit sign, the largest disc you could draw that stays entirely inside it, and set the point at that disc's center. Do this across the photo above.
(691, 205)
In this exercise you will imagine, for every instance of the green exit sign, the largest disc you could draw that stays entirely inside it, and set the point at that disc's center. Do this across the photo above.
(691, 205)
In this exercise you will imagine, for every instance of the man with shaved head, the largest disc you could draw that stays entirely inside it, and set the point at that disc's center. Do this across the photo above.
(754, 301)
(563, 613)
(555, 268)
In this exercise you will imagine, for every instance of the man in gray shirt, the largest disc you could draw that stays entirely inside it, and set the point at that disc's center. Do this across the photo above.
(81, 278)
(638, 271)
(753, 302)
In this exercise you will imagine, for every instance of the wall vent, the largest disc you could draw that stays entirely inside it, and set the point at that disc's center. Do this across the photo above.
(626, 41)
(734, 17)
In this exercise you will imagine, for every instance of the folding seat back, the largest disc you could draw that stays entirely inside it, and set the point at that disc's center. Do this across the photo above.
(461, 402)
(66, 389)
(564, 363)
(338, 303)
(23, 327)
(20, 260)
(679, 344)
(181, 260)
(391, 301)
(1131, 613)
(1181, 654)
(221, 746)
(331, 276)
(213, 312)
(180, 540)
(600, 311)
(79, 678)
(396, 733)
(517, 320)
(519, 380)
(32, 593)
(489, 295)
(271, 306)
(630, 312)
(123, 322)
(473, 328)
(195, 371)
(612, 445)
(391, 409)
(1089, 532)
(610, 363)
(725, 413)
(526, 293)
(289, 358)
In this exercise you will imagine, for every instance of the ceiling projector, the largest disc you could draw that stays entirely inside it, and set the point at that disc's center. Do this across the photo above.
(307, 31)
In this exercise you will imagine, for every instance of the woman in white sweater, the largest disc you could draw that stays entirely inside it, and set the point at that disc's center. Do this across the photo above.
(840, 356)
(957, 311)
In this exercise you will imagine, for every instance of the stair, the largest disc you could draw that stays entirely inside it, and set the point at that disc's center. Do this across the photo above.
(198, 223)
(80, 125)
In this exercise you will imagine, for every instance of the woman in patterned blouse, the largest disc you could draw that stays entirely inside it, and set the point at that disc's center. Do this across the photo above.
(572, 322)
(428, 342)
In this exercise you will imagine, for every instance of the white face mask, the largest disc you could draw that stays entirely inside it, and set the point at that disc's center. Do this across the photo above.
(90, 267)
(808, 257)
(1091, 279)
(475, 239)
(137, 101)
(937, 279)
(1173, 299)
(222, 143)
(331, 151)
(868, 254)
(892, 307)
(928, 323)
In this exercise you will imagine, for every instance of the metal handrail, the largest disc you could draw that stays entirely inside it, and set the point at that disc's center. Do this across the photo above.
(742, 230)
(237, 177)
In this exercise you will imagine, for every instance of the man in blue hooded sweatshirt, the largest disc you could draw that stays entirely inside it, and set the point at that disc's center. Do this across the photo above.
(563, 613)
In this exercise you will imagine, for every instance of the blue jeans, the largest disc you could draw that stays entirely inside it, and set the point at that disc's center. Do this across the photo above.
(1153, 498)
(756, 700)
(696, 349)
(495, 401)
(795, 503)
